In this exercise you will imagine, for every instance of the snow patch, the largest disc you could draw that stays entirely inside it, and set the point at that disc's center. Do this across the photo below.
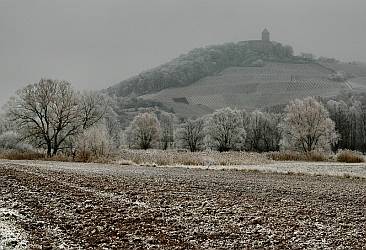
(11, 236)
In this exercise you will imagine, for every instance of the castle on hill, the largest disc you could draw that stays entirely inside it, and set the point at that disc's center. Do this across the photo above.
(266, 35)
(264, 44)
(267, 48)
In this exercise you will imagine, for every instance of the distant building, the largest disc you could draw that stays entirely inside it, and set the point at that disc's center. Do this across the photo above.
(264, 45)
(265, 35)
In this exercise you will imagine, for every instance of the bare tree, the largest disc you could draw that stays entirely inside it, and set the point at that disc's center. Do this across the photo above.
(272, 132)
(362, 129)
(50, 112)
(113, 124)
(191, 134)
(143, 132)
(225, 130)
(255, 131)
(339, 113)
(350, 123)
(307, 126)
(263, 133)
(167, 123)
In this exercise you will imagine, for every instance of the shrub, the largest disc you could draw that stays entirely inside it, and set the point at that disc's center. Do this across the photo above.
(93, 144)
(11, 140)
(349, 156)
(317, 156)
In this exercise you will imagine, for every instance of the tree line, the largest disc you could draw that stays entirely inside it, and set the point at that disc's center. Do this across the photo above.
(51, 116)
(305, 126)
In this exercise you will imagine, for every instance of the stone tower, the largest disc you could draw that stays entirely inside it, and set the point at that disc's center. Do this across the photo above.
(265, 35)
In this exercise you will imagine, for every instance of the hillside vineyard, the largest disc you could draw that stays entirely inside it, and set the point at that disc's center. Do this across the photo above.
(251, 74)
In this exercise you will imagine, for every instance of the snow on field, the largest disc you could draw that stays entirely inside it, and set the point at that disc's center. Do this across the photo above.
(11, 236)
(111, 206)
(311, 168)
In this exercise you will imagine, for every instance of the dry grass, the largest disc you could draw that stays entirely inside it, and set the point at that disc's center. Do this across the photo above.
(33, 155)
(180, 157)
(88, 156)
(21, 155)
(349, 156)
(313, 156)
(206, 158)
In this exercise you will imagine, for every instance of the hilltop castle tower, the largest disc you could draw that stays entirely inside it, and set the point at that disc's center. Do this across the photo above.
(265, 35)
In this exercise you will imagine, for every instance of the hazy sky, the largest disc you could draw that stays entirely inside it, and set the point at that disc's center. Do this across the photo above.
(97, 43)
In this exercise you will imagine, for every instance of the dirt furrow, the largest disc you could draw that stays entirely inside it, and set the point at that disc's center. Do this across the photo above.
(175, 208)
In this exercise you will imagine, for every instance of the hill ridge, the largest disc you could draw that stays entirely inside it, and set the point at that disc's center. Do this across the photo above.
(202, 62)
(254, 74)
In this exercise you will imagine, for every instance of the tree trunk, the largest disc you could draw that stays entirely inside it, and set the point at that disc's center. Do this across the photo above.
(49, 150)
(55, 150)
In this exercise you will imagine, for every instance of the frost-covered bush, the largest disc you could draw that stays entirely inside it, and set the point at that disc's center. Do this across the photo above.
(225, 130)
(12, 148)
(11, 140)
(94, 143)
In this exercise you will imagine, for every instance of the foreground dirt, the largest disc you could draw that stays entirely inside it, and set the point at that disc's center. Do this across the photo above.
(123, 207)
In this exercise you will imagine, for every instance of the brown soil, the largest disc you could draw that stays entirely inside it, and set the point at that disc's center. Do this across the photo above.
(124, 207)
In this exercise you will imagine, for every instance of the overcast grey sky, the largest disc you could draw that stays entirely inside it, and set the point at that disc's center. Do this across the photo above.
(97, 43)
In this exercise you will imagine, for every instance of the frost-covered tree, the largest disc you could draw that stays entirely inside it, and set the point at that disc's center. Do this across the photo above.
(338, 112)
(263, 133)
(167, 127)
(191, 134)
(350, 123)
(255, 131)
(50, 113)
(113, 126)
(144, 131)
(361, 131)
(307, 126)
(272, 132)
(225, 130)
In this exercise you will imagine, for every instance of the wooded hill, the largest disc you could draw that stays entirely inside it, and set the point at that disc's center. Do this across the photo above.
(250, 74)
(203, 62)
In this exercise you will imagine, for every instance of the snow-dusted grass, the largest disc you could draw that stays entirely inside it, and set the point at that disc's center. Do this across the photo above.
(205, 158)
(297, 156)
(347, 170)
(11, 236)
